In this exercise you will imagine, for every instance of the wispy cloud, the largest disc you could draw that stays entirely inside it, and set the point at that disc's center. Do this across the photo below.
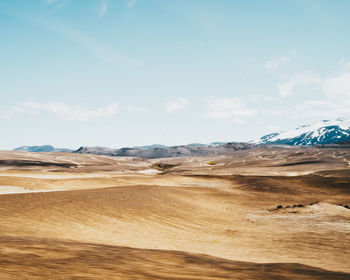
(176, 104)
(139, 109)
(337, 87)
(272, 128)
(103, 8)
(334, 94)
(6, 114)
(322, 109)
(61, 110)
(50, 2)
(335, 101)
(272, 112)
(55, 5)
(100, 50)
(306, 79)
(131, 3)
(233, 108)
(30, 108)
(276, 63)
(343, 64)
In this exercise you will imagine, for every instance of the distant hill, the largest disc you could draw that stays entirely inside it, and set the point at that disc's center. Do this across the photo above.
(174, 151)
(191, 144)
(151, 146)
(43, 148)
(217, 143)
(321, 133)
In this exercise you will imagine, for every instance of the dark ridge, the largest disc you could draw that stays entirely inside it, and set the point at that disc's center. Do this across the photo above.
(161, 166)
(340, 145)
(22, 163)
(301, 163)
(98, 261)
(290, 185)
(270, 184)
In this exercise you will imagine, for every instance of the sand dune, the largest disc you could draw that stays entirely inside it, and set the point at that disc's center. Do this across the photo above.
(194, 218)
(53, 259)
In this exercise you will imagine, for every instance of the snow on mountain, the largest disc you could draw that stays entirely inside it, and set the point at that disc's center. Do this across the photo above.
(324, 132)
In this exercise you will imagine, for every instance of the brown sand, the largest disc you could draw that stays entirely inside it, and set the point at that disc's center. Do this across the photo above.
(197, 218)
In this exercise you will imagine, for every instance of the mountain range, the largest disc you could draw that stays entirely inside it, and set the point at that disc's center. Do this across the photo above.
(174, 151)
(327, 133)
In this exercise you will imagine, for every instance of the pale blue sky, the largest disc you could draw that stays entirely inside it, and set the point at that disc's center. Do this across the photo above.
(135, 72)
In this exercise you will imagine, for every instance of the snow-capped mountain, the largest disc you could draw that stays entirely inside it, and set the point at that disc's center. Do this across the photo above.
(324, 132)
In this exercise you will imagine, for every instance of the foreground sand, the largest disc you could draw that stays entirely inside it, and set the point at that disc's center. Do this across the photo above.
(91, 217)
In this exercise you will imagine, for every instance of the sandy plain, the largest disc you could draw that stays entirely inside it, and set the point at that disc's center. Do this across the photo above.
(265, 213)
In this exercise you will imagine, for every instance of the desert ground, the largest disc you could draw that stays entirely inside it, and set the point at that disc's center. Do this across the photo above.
(262, 213)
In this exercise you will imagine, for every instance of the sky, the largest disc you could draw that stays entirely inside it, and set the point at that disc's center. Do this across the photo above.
(122, 73)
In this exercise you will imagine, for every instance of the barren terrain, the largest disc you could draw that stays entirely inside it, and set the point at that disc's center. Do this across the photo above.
(262, 213)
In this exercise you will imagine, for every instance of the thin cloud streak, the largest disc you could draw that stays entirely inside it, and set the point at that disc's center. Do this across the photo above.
(333, 89)
(131, 3)
(103, 8)
(275, 64)
(49, 2)
(60, 110)
(306, 79)
(100, 50)
(233, 108)
(176, 104)
(136, 109)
